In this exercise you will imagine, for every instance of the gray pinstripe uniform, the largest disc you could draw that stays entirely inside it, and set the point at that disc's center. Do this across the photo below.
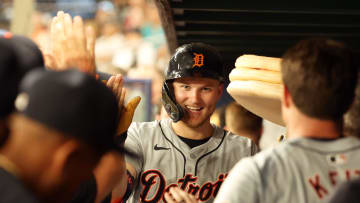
(300, 170)
(165, 160)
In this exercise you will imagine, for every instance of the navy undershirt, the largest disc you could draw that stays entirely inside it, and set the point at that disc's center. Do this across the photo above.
(193, 143)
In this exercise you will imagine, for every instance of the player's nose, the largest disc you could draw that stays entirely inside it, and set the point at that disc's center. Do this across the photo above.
(195, 96)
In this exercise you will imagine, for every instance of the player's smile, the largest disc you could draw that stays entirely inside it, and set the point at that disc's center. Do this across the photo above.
(193, 112)
(193, 109)
(198, 97)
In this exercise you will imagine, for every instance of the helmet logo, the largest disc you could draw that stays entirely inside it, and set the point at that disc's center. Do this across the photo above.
(198, 60)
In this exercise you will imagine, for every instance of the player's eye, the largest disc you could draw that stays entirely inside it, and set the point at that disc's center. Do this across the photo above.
(186, 87)
(207, 89)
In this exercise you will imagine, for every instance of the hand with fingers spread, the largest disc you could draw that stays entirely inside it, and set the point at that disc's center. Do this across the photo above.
(71, 44)
(126, 112)
(176, 195)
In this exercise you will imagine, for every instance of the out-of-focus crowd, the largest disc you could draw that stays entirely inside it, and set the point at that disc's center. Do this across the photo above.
(130, 39)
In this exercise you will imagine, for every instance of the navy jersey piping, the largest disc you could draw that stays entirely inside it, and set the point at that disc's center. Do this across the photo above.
(174, 147)
(197, 161)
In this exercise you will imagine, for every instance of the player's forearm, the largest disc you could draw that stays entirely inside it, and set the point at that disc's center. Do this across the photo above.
(110, 172)
(121, 188)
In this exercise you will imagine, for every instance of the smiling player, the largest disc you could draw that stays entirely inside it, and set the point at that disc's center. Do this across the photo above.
(186, 151)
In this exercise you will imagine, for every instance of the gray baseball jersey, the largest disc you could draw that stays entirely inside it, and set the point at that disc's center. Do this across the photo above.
(165, 161)
(299, 170)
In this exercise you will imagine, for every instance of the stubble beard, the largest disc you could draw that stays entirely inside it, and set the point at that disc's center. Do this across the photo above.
(189, 122)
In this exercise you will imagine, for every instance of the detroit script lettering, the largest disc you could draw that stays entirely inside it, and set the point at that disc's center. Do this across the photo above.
(154, 179)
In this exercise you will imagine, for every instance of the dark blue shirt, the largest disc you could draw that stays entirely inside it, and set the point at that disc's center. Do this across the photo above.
(13, 190)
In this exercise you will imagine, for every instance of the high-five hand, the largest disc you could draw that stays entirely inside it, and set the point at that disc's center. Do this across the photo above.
(126, 112)
(72, 46)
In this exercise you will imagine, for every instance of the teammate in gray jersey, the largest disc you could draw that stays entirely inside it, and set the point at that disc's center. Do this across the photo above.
(319, 78)
(186, 151)
(349, 191)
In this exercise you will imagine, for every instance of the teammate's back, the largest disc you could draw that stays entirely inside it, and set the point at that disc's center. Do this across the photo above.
(319, 77)
(302, 170)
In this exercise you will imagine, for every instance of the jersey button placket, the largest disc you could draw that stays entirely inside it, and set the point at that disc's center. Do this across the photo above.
(191, 161)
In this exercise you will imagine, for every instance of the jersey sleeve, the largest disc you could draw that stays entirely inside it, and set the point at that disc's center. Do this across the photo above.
(243, 184)
(133, 144)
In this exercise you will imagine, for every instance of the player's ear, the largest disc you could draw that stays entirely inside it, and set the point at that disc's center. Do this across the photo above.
(64, 156)
(59, 168)
(286, 98)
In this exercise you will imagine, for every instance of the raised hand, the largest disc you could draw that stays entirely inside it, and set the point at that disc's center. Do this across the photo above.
(126, 112)
(72, 46)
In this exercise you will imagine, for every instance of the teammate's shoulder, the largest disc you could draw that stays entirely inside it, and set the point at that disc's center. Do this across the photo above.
(274, 156)
(142, 127)
(237, 138)
(148, 124)
(240, 143)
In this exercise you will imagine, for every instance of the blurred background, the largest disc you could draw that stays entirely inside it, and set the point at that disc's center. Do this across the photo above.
(132, 40)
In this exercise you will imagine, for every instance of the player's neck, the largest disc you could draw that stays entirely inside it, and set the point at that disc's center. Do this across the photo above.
(182, 129)
(301, 125)
(22, 168)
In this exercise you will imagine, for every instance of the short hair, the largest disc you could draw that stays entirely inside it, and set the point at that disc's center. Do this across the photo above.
(352, 117)
(320, 75)
(238, 119)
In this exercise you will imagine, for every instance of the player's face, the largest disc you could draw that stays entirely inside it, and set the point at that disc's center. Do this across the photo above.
(198, 97)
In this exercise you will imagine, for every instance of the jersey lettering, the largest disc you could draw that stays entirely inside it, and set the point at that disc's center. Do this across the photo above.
(332, 175)
(317, 186)
(155, 180)
(218, 183)
(193, 189)
(205, 191)
(148, 179)
(186, 180)
(347, 175)
(334, 178)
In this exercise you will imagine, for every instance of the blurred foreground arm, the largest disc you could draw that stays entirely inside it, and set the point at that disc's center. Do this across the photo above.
(111, 171)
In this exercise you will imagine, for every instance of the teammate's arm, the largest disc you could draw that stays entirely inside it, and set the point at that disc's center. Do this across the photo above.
(124, 187)
(109, 171)
(71, 46)
(243, 184)
(127, 172)
(124, 174)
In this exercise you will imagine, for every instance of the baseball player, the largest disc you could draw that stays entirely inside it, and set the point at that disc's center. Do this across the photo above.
(319, 77)
(19, 55)
(349, 191)
(65, 122)
(62, 55)
(186, 151)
